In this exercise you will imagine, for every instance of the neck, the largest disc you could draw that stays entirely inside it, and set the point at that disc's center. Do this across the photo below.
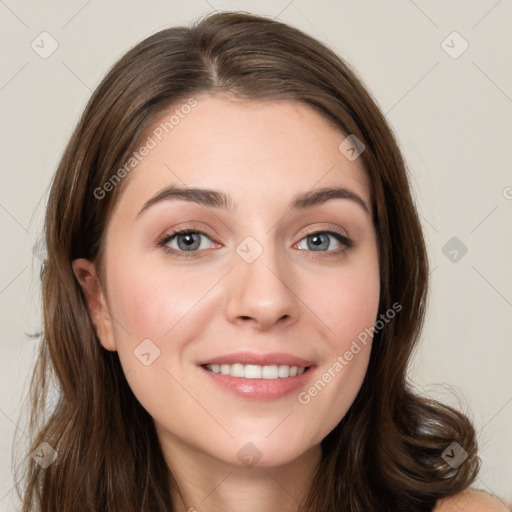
(211, 485)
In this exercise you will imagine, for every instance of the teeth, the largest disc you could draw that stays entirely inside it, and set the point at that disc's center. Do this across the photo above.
(254, 371)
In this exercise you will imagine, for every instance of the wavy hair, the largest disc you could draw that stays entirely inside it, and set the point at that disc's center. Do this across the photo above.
(385, 454)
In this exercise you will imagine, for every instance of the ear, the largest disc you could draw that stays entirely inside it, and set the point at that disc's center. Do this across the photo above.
(85, 272)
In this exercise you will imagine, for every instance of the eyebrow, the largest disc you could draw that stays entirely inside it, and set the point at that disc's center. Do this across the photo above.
(217, 199)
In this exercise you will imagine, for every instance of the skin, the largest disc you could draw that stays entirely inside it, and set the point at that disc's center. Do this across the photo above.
(293, 298)
(471, 500)
(284, 301)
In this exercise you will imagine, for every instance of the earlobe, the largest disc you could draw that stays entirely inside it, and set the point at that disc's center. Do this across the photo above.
(86, 274)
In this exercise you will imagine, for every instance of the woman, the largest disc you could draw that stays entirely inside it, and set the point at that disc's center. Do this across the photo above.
(236, 278)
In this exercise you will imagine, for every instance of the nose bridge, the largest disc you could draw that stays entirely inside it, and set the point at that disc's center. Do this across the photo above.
(261, 282)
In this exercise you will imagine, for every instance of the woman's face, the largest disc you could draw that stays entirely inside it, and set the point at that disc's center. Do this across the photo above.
(257, 286)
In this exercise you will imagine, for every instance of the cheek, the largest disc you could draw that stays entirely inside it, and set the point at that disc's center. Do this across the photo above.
(152, 308)
(151, 301)
(346, 301)
(157, 310)
(349, 306)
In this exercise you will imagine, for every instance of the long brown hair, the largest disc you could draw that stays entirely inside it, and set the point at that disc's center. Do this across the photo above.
(386, 453)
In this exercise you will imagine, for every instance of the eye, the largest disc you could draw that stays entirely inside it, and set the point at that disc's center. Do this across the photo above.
(187, 242)
(320, 241)
(183, 241)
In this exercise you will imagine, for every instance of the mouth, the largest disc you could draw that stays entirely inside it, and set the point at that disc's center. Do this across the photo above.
(258, 376)
(255, 371)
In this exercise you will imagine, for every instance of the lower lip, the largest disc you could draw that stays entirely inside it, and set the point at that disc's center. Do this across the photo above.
(266, 389)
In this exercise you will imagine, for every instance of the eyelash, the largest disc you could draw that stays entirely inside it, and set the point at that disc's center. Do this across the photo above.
(344, 240)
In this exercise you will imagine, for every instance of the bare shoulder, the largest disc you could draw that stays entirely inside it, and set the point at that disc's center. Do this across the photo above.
(471, 501)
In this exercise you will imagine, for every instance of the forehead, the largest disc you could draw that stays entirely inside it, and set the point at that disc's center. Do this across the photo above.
(252, 149)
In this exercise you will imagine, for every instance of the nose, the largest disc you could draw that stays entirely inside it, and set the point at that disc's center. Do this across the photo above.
(262, 292)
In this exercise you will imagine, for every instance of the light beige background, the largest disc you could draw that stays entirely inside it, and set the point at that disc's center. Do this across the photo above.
(452, 116)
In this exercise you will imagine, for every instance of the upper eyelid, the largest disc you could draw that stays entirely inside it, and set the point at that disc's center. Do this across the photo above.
(191, 229)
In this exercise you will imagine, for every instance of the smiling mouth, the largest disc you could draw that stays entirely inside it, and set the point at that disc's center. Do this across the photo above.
(254, 371)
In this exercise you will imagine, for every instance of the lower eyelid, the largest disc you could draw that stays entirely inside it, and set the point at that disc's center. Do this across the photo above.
(171, 236)
(345, 241)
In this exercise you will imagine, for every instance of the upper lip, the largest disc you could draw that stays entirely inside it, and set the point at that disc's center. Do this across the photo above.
(273, 358)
